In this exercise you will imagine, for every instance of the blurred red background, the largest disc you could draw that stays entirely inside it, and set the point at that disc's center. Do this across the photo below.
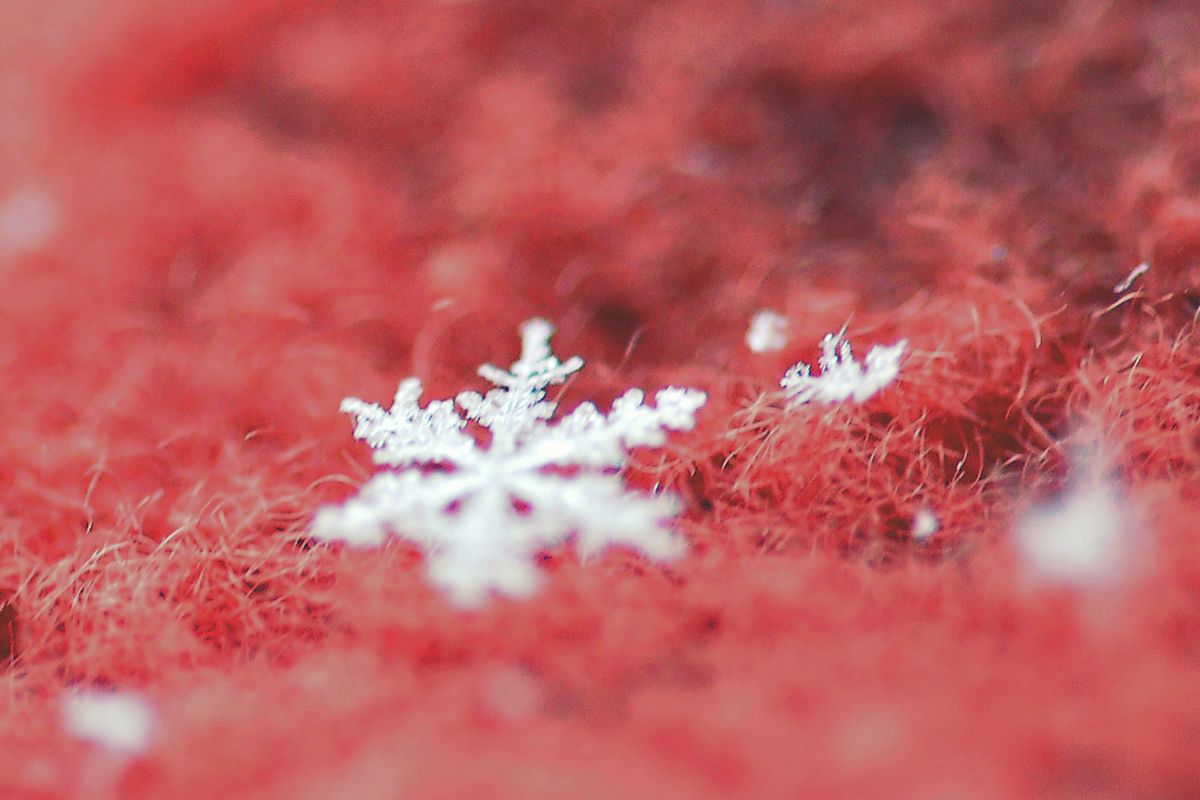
(217, 219)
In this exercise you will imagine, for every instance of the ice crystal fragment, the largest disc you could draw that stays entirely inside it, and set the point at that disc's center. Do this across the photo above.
(841, 376)
(482, 511)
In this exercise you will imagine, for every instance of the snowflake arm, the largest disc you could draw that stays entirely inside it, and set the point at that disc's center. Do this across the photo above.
(585, 437)
(842, 377)
(470, 558)
(518, 405)
(403, 503)
(537, 367)
(408, 434)
(638, 522)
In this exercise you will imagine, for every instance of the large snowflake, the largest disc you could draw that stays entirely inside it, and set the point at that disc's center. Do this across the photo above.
(482, 510)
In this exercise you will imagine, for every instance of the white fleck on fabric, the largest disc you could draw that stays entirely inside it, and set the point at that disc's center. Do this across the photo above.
(28, 218)
(924, 525)
(483, 512)
(116, 720)
(1079, 540)
(767, 333)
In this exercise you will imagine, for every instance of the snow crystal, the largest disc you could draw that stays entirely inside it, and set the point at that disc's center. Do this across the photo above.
(483, 513)
(842, 377)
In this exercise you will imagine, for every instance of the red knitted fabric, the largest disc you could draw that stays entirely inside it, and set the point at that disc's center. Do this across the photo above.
(219, 218)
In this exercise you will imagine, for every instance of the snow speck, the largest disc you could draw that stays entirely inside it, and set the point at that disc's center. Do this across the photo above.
(117, 720)
(28, 218)
(1081, 539)
(768, 332)
(924, 525)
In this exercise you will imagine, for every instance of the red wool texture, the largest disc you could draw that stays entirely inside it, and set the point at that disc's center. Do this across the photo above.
(218, 219)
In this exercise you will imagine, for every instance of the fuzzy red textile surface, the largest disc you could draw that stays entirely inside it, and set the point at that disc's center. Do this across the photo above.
(217, 219)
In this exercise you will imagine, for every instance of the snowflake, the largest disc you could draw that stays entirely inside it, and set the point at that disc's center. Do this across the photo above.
(842, 377)
(482, 513)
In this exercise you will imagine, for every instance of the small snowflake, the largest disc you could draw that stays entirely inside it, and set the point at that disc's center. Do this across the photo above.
(842, 377)
(482, 513)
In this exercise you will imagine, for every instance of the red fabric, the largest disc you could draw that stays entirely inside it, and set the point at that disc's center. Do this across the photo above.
(225, 216)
